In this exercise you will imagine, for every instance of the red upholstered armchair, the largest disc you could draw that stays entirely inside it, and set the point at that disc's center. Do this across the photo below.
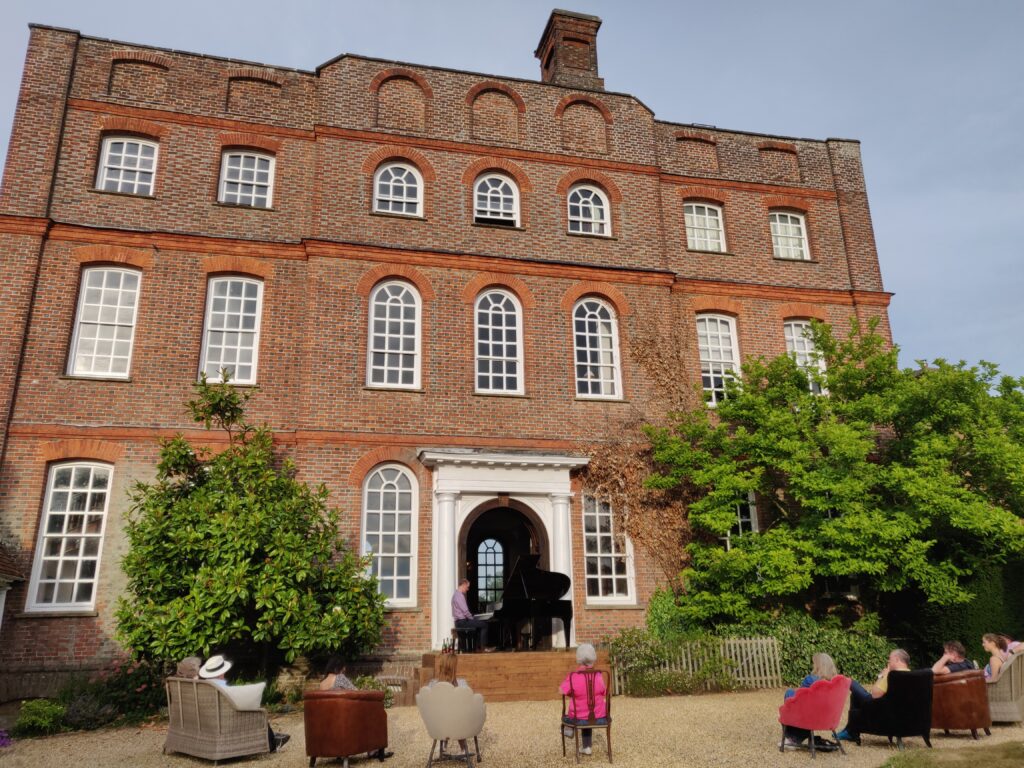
(344, 723)
(818, 708)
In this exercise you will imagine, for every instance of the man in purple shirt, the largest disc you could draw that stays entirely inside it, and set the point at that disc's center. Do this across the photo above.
(463, 618)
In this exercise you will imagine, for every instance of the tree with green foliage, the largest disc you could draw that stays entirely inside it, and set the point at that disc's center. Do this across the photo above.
(229, 550)
(902, 481)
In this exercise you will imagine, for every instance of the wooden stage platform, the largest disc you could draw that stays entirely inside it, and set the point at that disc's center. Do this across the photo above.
(512, 675)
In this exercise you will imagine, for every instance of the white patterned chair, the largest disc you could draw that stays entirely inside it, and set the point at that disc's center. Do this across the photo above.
(451, 713)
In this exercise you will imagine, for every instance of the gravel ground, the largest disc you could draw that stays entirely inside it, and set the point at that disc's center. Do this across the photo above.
(734, 729)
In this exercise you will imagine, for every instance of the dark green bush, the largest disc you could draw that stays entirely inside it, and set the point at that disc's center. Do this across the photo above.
(86, 711)
(370, 683)
(39, 717)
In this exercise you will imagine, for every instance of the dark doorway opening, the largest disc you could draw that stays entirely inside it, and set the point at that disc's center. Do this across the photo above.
(493, 539)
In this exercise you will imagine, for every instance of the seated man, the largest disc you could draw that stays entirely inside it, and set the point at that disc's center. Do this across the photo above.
(953, 660)
(463, 618)
(215, 670)
(899, 659)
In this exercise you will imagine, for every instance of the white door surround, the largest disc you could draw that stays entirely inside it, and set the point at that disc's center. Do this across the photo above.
(465, 478)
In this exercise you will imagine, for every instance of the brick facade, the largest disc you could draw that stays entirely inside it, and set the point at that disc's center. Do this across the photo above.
(320, 251)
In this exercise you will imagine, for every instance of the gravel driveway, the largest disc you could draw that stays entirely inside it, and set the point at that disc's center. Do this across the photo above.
(729, 729)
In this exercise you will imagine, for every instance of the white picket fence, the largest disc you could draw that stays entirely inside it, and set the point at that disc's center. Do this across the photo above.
(753, 662)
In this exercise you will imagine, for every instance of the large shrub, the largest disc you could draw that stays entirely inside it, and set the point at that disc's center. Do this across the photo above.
(39, 717)
(230, 551)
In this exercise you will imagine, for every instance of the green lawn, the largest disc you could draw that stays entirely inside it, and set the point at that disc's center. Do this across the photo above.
(997, 756)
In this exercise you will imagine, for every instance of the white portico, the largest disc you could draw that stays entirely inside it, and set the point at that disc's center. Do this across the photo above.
(466, 479)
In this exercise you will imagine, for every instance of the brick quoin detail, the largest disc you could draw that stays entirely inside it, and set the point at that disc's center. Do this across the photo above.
(254, 140)
(113, 254)
(705, 304)
(143, 57)
(508, 282)
(605, 290)
(386, 454)
(595, 177)
(385, 271)
(252, 73)
(237, 264)
(478, 167)
(405, 74)
(787, 201)
(383, 154)
(80, 448)
(799, 309)
(574, 98)
(133, 125)
(711, 194)
(778, 146)
(490, 85)
(706, 138)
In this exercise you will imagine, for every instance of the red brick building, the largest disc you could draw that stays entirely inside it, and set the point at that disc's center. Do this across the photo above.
(435, 278)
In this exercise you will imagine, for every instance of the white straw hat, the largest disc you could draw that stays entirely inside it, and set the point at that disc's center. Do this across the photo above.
(215, 666)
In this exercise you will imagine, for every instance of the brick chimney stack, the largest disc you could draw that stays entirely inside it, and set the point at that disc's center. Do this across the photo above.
(568, 51)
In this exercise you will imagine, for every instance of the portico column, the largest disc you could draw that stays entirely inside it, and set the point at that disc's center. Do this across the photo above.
(444, 562)
(561, 550)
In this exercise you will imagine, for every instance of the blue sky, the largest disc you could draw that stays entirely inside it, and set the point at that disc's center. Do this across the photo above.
(933, 89)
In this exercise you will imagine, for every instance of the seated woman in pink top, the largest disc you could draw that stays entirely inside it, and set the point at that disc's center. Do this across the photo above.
(575, 685)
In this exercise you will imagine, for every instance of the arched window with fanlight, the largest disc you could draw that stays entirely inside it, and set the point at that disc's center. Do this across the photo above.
(589, 211)
(393, 348)
(389, 531)
(596, 343)
(499, 344)
(490, 571)
(398, 189)
(496, 200)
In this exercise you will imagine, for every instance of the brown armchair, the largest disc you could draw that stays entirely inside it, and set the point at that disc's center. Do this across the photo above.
(960, 703)
(344, 723)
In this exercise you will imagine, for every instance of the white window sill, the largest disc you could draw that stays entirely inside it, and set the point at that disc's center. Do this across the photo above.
(386, 388)
(599, 399)
(57, 613)
(614, 605)
(86, 377)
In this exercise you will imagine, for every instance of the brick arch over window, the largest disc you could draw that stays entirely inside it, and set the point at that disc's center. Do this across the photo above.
(254, 93)
(491, 280)
(496, 113)
(701, 136)
(113, 254)
(400, 154)
(720, 304)
(584, 127)
(799, 310)
(408, 74)
(254, 73)
(591, 288)
(402, 99)
(139, 75)
(145, 57)
(579, 98)
(398, 271)
(237, 264)
(252, 140)
(585, 176)
(498, 165)
(710, 194)
(777, 146)
(386, 454)
(133, 125)
(491, 85)
(81, 448)
(787, 202)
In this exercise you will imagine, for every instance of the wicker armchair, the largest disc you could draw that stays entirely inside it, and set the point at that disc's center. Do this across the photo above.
(206, 722)
(1006, 695)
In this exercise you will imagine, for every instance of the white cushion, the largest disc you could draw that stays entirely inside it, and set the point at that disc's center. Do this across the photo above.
(245, 698)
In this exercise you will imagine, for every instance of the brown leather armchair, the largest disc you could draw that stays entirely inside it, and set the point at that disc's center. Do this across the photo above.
(960, 702)
(344, 723)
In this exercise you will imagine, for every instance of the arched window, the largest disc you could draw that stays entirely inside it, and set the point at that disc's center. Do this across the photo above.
(704, 230)
(496, 200)
(389, 533)
(393, 358)
(499, 344)
(398, 188)
(127, 165)
(596, 341)
(105, 326)
(246, 178)
(589, 211)
(231, 338)
(800, 344)
(719, 355)
(490, 571)
(789, 236)
(70, 537)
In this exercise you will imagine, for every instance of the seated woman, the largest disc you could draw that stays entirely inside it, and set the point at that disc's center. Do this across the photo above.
(995, 646)
(575, 684)
(822, 668)
(952, 660)
(215, 670)
(336, 679)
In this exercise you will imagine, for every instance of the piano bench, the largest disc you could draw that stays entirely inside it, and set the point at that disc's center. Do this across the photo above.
(467, 639)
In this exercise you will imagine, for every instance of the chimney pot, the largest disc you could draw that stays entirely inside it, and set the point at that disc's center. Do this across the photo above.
(568, 51)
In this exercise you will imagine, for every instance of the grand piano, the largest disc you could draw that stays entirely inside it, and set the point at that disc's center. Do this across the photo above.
(531, 597)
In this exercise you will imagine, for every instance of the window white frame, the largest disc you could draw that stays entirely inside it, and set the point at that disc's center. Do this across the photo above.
(390, 535)
(104, 335)
(607, 557)
(789, 235)
(490, 565)
(127, 165)
(496, 200)
(705, 227)
(231, 329)
(719, 354)
(595, 334)
(746, 520)
(69, 545)
(398, 189)
(246, 178)
(393, 349)
(800, 345)
(589, 211)
(498, 343)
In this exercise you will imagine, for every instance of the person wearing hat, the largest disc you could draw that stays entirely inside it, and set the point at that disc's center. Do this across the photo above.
(215, 670)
